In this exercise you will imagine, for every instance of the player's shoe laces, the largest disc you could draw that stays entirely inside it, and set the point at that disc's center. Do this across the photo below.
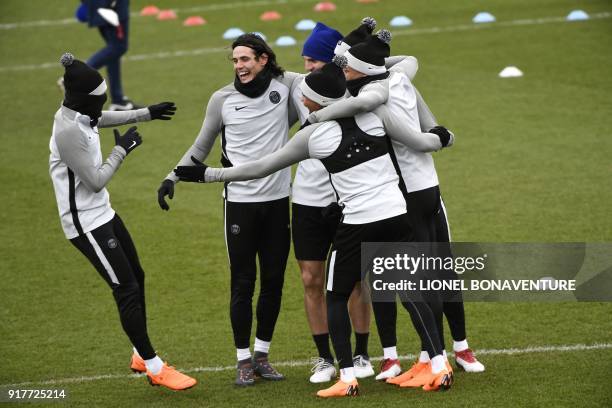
(340, 389)
(416, 368)
(322, 371)
(263, 369)
(363, 367)
(124, 105)
(137, 364)
(245, 375)
(439, 382)
(420, 378)
(171, 378)
(467, 361)
(389, 368)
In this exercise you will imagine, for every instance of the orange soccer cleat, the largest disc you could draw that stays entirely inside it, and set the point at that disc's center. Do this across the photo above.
(416, 368)
(439, 382)
(171, 378)
(340, 389)
(137, 364)
(420, 379)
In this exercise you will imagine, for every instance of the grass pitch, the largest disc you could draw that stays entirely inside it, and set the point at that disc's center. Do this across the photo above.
(531, 163)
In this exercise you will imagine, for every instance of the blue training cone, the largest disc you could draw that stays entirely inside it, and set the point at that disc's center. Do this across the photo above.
(483, 17)
(285, 41)
(232, 33)
(577, 15)
(400, 21)
(305, 25)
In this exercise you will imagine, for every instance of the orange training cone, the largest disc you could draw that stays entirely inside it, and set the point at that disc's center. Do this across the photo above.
(325, 6)
(166, 15)
(149, 11)
(194, 21)
(270, 16)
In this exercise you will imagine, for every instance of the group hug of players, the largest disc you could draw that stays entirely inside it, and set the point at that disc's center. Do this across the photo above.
(365, 174)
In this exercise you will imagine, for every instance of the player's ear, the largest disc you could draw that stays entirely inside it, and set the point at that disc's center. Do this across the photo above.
(263, 59)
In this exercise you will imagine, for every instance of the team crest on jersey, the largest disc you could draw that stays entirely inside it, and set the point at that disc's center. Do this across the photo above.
(112, 243)
(275, 97)
(235, 228)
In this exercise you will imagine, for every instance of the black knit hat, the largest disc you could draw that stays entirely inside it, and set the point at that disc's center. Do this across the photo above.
(85, 88)
(369, 57)
(360, 34)
(326, 85)
(80, 77)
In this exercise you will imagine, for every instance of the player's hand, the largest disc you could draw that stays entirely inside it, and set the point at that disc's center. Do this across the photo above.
(446, 136)
(193, 174)
(166, 189)
(129, 141)
(162, 111)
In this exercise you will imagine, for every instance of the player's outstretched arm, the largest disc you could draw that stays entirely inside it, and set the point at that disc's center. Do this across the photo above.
(426, 117)
(407, 65)
(200, 149)
(371, 96)
(294, 151)
(161, 111)
(399, 131)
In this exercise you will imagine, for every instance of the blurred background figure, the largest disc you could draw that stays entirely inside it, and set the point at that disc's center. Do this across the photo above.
(111, 17)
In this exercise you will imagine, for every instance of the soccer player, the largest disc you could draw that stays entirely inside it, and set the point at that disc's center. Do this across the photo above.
(252, 116)
(116, 40)
(419, 183)
(313, 229)
(355, 153)
(79, 179)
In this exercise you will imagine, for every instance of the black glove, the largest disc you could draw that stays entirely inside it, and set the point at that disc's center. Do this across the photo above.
(166, 189)
(443, 134)
(129, 141)
(162, 111)
(194, 174)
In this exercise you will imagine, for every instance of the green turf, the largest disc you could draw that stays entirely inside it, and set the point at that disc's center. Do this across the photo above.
(531, 163)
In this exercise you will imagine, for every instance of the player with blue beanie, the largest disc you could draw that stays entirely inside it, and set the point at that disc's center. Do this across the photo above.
(319, 46)
(313, 228)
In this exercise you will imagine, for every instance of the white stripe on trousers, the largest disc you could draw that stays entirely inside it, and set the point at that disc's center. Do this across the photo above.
(102, 258)
(229, 261)
(330, 274)
(445, 219)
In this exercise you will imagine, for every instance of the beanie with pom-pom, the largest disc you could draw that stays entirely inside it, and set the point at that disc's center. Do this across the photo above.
(80, 77)
(358, 35)
(369, 57)
(85, 87)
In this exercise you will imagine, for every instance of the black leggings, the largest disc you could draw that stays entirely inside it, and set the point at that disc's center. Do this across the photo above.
(423, 207)
(256, 230)
(453, 309)
(111, 251)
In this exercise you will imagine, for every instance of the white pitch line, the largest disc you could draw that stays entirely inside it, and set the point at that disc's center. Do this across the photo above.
(302, 363)
(210, 7)
(418, 31)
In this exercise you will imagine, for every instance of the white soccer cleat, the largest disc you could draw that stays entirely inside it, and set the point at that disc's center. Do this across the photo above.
(467, 360)
(363, 367)
(389, 368)
(322, 371)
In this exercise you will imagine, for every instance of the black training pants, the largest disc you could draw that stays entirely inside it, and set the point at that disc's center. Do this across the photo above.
(112, 252)
(256, 231)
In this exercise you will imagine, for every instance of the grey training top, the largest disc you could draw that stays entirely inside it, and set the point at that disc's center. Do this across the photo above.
(78, 173)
